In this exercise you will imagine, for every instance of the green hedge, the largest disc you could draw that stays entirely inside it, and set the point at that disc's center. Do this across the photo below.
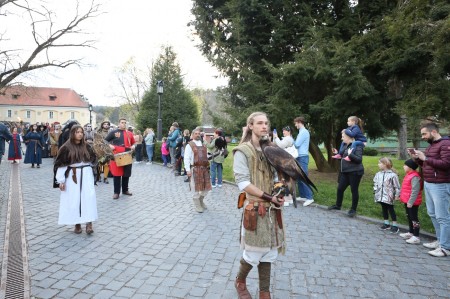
(369, 151)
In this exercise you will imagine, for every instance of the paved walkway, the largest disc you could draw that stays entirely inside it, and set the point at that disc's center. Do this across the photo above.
(154, 245)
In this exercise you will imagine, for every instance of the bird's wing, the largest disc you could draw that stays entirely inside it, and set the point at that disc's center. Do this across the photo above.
(283, 162)
(305, 177)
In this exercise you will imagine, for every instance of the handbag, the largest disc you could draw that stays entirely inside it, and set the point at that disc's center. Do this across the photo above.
(292, 151)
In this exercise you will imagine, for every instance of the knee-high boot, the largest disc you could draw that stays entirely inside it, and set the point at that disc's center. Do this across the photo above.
(264, 280)
(202, 203)
(197, 205)
(240, 283)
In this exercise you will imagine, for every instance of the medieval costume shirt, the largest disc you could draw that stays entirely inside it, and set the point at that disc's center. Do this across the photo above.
(78, 203)
(122, 140)
(250, 167)
(196, 156)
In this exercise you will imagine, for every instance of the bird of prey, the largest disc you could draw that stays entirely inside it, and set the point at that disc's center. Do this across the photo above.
(287, 167)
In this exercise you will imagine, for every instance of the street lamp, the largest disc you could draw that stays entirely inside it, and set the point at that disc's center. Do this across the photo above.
(90, 113)
(159, 90)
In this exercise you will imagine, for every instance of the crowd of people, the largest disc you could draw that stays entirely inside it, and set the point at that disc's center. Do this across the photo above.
(79, 163)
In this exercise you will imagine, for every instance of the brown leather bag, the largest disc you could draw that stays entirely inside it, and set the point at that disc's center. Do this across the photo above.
(241, 198)
(250, 217)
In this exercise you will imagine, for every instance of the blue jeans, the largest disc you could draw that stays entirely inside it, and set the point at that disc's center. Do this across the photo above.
(216, 171)
(438, 203)
(150, 149)
(165, 159)
(303, 189)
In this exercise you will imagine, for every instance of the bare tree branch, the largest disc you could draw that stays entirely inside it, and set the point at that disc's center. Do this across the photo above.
(132, 84)
(11, 63)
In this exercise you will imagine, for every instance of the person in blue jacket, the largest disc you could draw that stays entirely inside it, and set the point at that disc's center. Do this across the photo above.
(354, 130)
(172, 140)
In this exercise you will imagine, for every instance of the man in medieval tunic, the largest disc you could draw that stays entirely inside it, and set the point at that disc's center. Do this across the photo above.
(196, 164)
(103, 164)
(121, 140)
(262, 231)
(54, 137)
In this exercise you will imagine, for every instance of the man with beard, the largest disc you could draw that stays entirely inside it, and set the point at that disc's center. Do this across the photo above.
(104, 131)
(262, 233)
(121, 140)
(435, 163)
(54, 137)
(196, 155)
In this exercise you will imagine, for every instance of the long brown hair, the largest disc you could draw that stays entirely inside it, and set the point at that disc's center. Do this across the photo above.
(247, 135)
(77, 152)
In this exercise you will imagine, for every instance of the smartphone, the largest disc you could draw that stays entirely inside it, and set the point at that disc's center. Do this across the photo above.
(411, 151)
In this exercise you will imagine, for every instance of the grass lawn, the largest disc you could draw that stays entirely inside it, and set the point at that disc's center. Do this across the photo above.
(327, 184)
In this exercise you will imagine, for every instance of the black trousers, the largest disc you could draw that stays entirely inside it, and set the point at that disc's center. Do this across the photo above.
(121, 181)
(345, 180)
(413, 219)
(388, 209)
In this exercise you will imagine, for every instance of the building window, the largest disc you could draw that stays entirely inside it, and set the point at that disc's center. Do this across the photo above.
(50, 114)
(15, 96)
(9, 113)
(28, 114)
(72, 115)
(52, 98)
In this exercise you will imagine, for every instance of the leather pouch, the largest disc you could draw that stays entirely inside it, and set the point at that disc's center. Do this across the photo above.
(250, 217)
(241, 198)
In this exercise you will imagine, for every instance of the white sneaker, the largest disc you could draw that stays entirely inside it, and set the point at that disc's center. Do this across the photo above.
(286, 204)
(149, 163)
(439, 252)
(413, 240)
(288, 199)
(406, 235)
(432, 245)
(308, 202)
(219, 185)
(137, 162)
(214, 186)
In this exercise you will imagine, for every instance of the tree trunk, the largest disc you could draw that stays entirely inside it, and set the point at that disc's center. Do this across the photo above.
(402, 137)
(319, 159)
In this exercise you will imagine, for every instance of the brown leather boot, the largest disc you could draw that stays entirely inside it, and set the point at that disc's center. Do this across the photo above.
(89, 229)
(264, 295)
(77, 229)
(241, 288)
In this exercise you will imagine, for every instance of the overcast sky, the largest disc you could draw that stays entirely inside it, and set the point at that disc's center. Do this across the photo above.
(132, 28)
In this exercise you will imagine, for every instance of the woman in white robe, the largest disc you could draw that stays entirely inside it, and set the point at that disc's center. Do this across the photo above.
(75, 178)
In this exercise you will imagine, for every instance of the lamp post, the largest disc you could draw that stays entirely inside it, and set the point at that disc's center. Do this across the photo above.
(159, 90)
(90, 113)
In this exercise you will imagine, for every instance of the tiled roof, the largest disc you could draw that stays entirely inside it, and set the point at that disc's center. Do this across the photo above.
(41, 96)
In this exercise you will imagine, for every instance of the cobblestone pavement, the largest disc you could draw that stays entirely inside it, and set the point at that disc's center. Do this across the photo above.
(154, 245)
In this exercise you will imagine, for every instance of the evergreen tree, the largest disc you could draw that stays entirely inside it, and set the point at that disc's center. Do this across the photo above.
(177, 103)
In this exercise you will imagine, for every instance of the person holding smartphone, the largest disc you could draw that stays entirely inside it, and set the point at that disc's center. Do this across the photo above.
(435, 164)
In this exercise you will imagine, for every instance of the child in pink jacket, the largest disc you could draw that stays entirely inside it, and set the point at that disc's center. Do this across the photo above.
(164, 151)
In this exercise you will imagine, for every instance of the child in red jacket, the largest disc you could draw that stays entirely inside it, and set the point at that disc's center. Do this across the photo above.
(411, 196)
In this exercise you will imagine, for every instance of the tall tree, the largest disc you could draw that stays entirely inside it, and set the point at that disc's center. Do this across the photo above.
(294, 57)
(177, 104)
(47, 36)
